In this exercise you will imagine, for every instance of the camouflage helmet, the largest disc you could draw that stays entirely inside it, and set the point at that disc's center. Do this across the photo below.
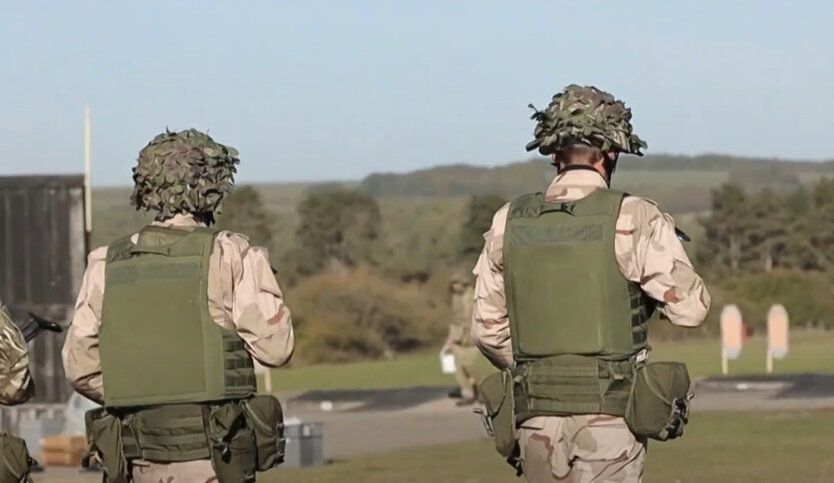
(183, 172)
(584, 115)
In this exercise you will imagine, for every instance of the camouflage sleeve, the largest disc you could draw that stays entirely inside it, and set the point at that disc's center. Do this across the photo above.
(490, 322)
(82, 364)
(650, 253)
(16, 385)
(258, 311)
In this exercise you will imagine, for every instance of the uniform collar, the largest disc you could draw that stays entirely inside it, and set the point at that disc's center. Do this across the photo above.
(180, 219)
(575, 184)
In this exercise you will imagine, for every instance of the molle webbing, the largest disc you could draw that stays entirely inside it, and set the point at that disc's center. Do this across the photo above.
(642, 309)
(166, 433)
(565, 385)
(158, 343)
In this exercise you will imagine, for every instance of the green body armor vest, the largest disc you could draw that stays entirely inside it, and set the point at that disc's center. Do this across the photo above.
(576, 322)
(158, 344)
(177, 386)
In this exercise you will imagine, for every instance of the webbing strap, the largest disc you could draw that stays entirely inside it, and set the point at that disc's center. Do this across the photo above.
(232, 380)
(556, 390)
(567, 385)
(174, 423)
(186, 455)
(233, 363)
(149, 439)
(150, 272)
(231, 344)
(566, 371)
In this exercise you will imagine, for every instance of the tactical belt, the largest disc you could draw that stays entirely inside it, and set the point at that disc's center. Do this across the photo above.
(240, 437)
(569, 384)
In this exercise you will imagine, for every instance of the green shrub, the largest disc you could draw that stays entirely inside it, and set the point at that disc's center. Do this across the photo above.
(358, 314)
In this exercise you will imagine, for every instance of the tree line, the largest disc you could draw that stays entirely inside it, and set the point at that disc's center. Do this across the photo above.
(347, 303)
(771, 246)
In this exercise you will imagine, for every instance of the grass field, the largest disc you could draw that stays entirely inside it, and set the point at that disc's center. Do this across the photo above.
(810, 351)
(717, 447)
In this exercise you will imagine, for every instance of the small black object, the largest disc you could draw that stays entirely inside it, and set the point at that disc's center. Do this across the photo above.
(35, 325)
(681, 235)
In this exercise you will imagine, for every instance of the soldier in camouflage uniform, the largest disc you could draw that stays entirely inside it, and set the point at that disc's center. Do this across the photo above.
(182, 177)
(459, 342)
(16, 385)
(584, 130)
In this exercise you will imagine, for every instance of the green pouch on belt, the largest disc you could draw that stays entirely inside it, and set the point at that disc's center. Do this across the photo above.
(232, 440)
(104, 437)
(266, 418)
(14, 460)
(658, 406)
(497, 392)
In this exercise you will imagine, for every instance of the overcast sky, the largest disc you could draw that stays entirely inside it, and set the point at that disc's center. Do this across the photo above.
(315, 90)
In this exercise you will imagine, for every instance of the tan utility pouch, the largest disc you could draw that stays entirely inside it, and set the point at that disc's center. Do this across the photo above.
(266, 418)
(499, 419)
(104, 439)
(658, 406)
(15, 462)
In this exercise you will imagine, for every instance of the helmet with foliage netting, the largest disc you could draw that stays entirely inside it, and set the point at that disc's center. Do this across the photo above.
(183, 172)
(584, 115)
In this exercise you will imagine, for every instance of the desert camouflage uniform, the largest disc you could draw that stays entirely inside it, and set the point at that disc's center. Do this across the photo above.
(460, 341)
(590, 448)
(16, 384)
(243, 295)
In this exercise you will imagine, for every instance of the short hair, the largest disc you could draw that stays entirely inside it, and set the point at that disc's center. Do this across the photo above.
(579, 154)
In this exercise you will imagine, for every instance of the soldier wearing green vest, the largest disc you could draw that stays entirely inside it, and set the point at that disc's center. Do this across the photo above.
(565, 284)
(16, 387)
(167, 324)
(459, 341)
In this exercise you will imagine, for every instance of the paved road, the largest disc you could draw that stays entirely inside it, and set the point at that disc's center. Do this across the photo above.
(363, 422)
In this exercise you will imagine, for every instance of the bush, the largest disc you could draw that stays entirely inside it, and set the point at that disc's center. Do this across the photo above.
(359, 314)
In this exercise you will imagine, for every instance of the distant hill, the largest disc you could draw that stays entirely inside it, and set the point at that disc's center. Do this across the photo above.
(422, 210)
(680, 183)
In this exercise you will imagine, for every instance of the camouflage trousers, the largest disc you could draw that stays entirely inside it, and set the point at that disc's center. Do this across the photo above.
(465, 369)
(581, 449)
(199, 471)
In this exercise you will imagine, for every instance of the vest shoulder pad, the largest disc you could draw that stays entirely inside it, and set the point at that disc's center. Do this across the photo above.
(525, 205)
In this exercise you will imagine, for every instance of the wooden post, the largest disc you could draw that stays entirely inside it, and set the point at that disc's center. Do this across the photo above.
(88, 205)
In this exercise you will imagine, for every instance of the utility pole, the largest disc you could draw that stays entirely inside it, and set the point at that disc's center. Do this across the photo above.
(88, 193)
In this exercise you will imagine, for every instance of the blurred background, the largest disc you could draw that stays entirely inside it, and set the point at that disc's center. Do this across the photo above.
(378, 138)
